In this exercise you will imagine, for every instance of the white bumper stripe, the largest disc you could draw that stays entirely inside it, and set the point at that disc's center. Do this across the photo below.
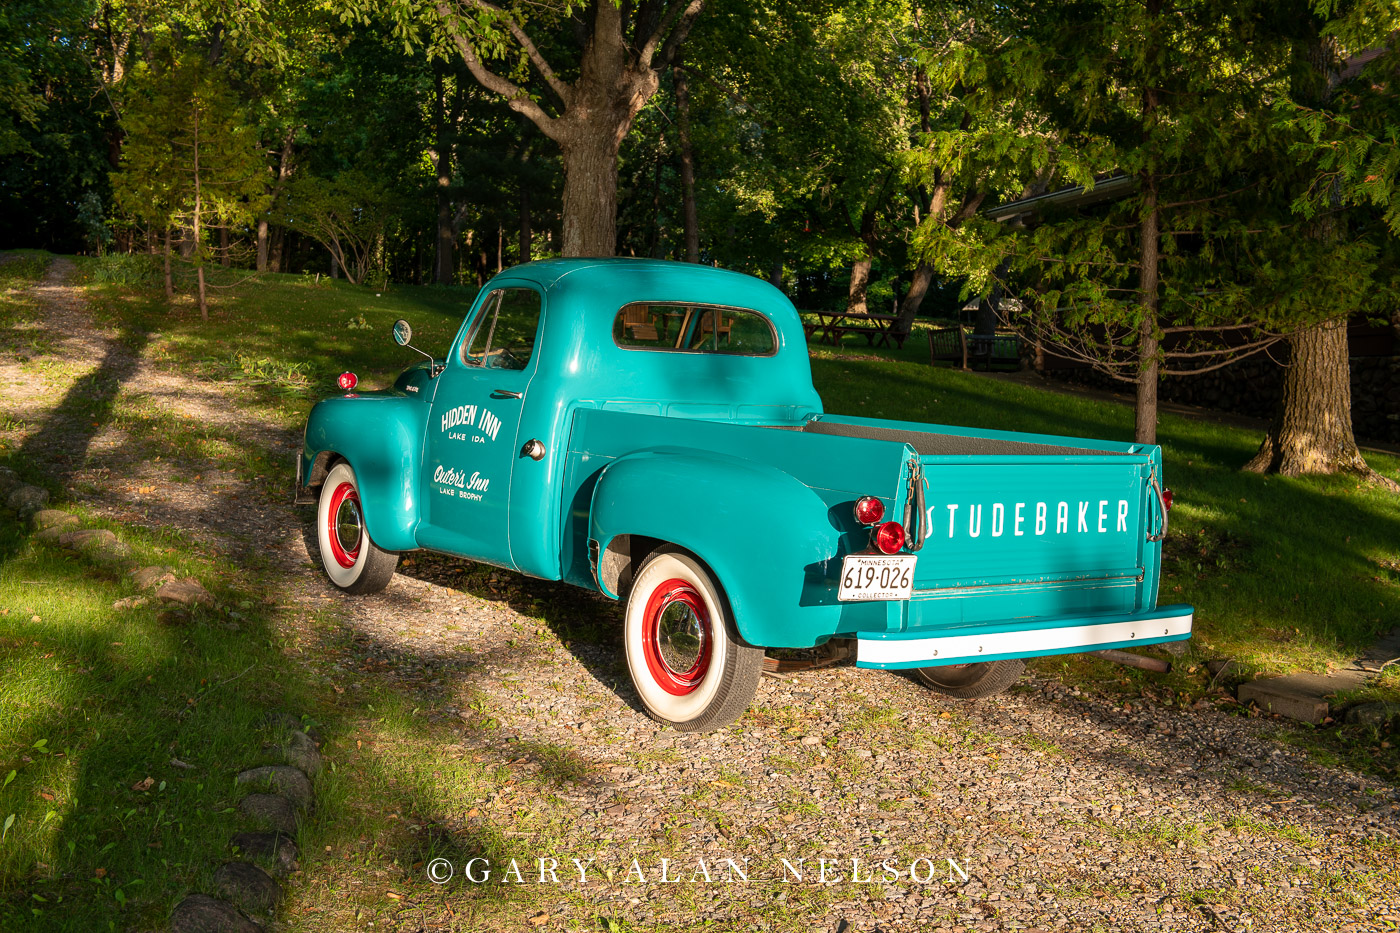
(1027, 643)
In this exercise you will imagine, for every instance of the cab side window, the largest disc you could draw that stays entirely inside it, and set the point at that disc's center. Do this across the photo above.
(505, 330)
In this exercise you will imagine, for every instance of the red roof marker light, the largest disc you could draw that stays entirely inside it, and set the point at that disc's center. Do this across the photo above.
(347, 381)
(1167, 499)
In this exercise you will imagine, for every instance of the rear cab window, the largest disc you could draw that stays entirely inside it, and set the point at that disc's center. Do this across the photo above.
(503, 335)
(692, 328)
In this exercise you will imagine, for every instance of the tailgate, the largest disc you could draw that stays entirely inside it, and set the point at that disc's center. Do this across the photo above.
(1025, 536)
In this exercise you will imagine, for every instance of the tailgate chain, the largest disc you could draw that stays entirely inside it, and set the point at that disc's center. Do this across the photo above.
(914, 503)
(1161, 505)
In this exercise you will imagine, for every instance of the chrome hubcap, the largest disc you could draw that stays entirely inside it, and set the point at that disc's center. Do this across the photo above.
(680, 637)
(347, 524)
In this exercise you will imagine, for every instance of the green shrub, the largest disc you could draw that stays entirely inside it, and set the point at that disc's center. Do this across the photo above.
(124, 269)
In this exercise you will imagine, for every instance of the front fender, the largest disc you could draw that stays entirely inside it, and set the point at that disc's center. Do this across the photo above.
(764, 534)
(381, 435)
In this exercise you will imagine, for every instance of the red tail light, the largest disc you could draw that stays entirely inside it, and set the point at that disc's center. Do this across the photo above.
(347, 381)
(1167, 499)
(889, 537)
(869, 510)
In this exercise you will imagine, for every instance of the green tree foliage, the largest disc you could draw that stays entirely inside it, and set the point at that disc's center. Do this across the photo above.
(191, 160)
(56, 126)
(346, 214)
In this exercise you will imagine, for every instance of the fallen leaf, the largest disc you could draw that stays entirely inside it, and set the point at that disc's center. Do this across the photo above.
(538, 919)
(101, 873)
(721, 784)
(145, 785)
(395, 895)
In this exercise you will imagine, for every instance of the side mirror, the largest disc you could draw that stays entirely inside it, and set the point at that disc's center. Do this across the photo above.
(403, 334)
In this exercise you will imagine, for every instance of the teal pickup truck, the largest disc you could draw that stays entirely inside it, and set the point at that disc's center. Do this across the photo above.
(649, 430)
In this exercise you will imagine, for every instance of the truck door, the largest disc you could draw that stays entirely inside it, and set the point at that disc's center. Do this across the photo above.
(471, 444)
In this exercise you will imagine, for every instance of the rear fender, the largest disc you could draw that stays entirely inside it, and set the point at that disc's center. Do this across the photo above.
(381, 435)
(763, 534)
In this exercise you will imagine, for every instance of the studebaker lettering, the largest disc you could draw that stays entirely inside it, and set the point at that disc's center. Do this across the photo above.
(650, 430)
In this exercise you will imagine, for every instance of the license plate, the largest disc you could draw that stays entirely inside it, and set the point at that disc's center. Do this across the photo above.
(866, 577)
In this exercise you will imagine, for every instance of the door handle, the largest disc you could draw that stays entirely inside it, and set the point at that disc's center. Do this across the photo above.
(506, 393)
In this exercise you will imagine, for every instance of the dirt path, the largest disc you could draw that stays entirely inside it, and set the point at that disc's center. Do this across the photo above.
(1064, 812)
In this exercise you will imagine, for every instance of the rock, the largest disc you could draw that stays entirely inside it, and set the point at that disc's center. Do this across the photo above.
(1222, 668)
(9, 479)
(112, 554)
(277, 847)
(1374, 714)
(200, 913)
(248, 886)
(51, 535)
(186, 592)
(287, 781)
(52, 518)
(294, 724)
(148, 578)
(271, 810)
(173, 618)
(27, 500)
(130, 602)
(87, 537)
(301, 752)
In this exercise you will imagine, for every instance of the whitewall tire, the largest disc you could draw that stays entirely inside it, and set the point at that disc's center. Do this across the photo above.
(687, 662)
(350, 558)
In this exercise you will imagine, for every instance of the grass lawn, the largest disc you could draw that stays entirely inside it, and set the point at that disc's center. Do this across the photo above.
(101, 831)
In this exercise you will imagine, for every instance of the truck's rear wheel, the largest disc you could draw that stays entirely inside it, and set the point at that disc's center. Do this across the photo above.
(685, 657)
(350, 558)
(970, 681)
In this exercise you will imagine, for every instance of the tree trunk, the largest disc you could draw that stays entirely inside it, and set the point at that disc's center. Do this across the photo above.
(590, 194)
(914, 299)
(525, 234)
(225, 248)
(275, 242)
(1145, 413)
(169, 282)
(262, 244)
(1311, 433)
(775, 274)
(860, 283)
(690, 214)
(442, 265)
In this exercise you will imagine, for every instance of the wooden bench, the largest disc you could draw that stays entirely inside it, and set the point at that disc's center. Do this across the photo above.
(954, 345)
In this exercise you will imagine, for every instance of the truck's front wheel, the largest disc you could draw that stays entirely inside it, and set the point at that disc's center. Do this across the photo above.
(970, 681)
(351, 559)
(687, 662)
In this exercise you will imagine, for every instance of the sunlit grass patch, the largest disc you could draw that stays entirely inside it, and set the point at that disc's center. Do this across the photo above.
(96, 705)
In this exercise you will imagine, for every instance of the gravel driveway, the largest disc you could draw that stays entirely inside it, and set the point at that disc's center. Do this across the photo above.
(1039, 809)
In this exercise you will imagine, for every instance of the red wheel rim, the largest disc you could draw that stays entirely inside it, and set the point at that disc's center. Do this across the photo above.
(343, 521)
(677, 637)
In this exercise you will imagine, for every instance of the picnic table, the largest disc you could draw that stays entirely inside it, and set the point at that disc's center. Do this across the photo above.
(830, 326)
